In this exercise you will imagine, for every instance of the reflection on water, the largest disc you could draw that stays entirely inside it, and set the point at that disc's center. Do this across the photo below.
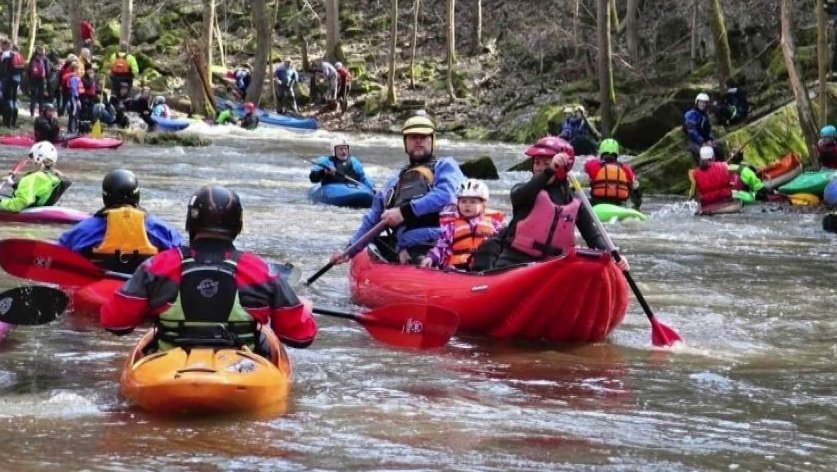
(751, 389)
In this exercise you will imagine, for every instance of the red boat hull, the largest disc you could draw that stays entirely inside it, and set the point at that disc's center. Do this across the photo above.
(581, 297)
(46, 215)
(81, 142)
(90, 298)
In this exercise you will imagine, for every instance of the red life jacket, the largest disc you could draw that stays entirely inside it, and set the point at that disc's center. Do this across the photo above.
(713, 184)
(466, 240)
(66, 82)
(90, 87)
(548, 230)
(18, 61)
(611, 181)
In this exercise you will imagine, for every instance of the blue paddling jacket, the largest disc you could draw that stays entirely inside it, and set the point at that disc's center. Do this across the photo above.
(351, 167)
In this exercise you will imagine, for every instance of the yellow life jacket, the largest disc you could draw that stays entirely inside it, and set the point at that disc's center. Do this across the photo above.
(125, 234)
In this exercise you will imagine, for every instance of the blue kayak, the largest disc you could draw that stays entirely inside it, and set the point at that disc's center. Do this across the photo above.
(830, 192)
(169, 124)
(275, 119)
(344, 195)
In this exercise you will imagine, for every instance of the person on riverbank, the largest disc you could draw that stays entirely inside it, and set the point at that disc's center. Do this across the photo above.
(12, 65)
(250, 120)
(242, 77)
(123, 70)
(412, 199)
(734, 107)
(88, 34)
(612, 181)
(465, 229)
(42, 187)
(324, 69)
(827, 147)
(90, 95)
(38, 71)
(210, 289)
(712, 179)
(286, 78)
(546, 210)
(75, 88)
(697, 127)
(46, 126)
(121, 235)
(344, 85)
(335, 167)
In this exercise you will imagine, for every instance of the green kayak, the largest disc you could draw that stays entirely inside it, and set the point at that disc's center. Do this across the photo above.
(607, 213)
(745, 197)
(813, 182)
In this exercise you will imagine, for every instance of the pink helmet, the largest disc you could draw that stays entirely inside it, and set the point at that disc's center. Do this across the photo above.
(550, 146)
(249, 107)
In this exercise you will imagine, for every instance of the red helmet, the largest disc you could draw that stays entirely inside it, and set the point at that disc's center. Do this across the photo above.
(550, 146)
(249, 107)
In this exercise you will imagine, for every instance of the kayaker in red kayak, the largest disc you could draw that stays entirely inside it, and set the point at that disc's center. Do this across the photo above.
(546, 211)
(210, 293)
(42, 187)
(121, 235)
(411, 201)
(466, 229)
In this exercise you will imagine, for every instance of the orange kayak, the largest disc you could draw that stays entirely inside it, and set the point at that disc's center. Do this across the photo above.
(781, 172)
(208, 380)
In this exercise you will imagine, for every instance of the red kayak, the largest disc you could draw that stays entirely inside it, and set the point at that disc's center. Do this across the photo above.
(82, 142)
(46, 214)
(90, 298)
(580, 297)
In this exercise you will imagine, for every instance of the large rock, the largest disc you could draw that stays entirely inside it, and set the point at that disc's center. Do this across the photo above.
(480, 168)
(647, 125)
(146, 31)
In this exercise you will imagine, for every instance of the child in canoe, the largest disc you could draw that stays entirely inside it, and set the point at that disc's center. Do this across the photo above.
(464, 230)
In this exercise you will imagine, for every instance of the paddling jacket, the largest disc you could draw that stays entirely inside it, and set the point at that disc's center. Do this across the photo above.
(250, 121)
(242, 78)
(36, 189)
(461, 237)
(9, 69)
(610, 182)
(420, 211)
(287, 76)
(524, 198)
(576, 127)
(46, 129)
(161, 111)
(215, 293)
(697, 127)
(123, 66)
(713, 183)
(742, 177)
(96, 233)
(827, 152)
(351, 167)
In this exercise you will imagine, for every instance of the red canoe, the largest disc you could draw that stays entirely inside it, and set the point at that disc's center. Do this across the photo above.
(82, 142)
(581, 297)
(47, 214)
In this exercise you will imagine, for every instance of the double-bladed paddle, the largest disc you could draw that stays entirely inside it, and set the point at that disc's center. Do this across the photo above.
(349, 251)
(32, 305)
(409, 325)
(20, 165)
(348, 179)
(661, 335)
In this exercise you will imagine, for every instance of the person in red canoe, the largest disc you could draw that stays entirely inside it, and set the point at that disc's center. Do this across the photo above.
(546, 211)
(210, 294)
(121, 235)
(465, 229)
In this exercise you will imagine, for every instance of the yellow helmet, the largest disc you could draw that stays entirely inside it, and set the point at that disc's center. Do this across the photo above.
(421, 125)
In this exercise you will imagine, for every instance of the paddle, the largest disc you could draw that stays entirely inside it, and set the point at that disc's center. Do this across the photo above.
(96, 131)
(349, 251)
(20, 165)
(356, 182)
(32, 305)
(405, 324)
(661, 335)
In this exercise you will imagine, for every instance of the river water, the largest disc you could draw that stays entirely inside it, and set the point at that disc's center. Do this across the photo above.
(752, 387)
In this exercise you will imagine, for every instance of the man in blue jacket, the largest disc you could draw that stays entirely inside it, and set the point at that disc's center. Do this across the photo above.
(698, 128)
(334, 169)
(411, 200)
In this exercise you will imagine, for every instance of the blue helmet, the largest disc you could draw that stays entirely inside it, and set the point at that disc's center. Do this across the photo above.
(828, 131)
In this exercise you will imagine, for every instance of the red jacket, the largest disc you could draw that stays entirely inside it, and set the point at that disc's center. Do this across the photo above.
(713, 184)
(344, 75)
(87, 30)
(155, 286)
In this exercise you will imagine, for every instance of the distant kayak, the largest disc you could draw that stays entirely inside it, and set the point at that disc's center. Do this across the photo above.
(607, 213)
(81, 142)
(276, 119)
(45, 214)
(344, 195)
(170, 124)
(830, 192)
(812, 182)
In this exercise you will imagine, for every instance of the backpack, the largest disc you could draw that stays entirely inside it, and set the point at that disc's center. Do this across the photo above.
(120, 66)
(37, 68)
(18, 61)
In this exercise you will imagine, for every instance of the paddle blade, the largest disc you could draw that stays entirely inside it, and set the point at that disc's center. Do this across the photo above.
(46, 262)
(32, 305)
(96, 132)
(662, 335)
(410, 325)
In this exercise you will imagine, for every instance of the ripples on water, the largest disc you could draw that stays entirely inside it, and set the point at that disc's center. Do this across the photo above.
(752, 389)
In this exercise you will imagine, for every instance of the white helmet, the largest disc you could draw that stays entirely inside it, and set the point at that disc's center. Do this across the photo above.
(473, 188)
(43, 151)
(339, 142)
(338, 65)
(707, 153)
(702, 97)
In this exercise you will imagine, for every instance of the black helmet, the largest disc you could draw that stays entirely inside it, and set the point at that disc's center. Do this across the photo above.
(215, 210)
(48, 107)
(120, 187)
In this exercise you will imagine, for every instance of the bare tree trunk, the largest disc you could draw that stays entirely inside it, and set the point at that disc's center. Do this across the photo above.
(220, 40)
(416, 6)
(76, 11)
(298, 7)
(199, 90)
(451, 31)
(719, 33)
(630, 29)
(604, 67)
(693, 51)
(264, 42)
(206, 41)
(803, 104)
(127, 21)
(822, 61)
(478, 28)
(34, 20)
(17, 14)
(391, 99)
(614, 17)
(332, 31)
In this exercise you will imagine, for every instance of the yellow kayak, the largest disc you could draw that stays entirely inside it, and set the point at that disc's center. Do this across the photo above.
(205, 379)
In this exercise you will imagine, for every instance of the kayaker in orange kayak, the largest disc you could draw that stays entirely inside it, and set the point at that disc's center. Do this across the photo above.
(210, 293)
(121, 235)
(545, 210)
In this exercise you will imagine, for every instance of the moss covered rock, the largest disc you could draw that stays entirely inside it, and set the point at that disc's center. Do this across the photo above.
(109, 33)
(538, 126)
(806, 60)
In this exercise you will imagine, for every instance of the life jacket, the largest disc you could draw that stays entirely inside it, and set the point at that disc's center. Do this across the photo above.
(344, 167)
(125, 235)
(18, 61)
(121, 66)
(467, 240)
(548, 230)
(414, 182)
(207, 311)
(828, 155)
(89, 85)
(611, 182)
(37, 70)
(713, 184)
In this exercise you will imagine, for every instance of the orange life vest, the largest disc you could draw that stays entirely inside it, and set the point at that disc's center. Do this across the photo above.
(125, 234)
(548, 230)
(611, 181)
(467, 240)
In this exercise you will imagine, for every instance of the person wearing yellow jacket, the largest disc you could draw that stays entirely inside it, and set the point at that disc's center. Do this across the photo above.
(123, 70)
(42, 187)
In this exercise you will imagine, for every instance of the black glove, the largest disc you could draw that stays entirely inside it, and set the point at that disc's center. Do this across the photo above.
(636, 198)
